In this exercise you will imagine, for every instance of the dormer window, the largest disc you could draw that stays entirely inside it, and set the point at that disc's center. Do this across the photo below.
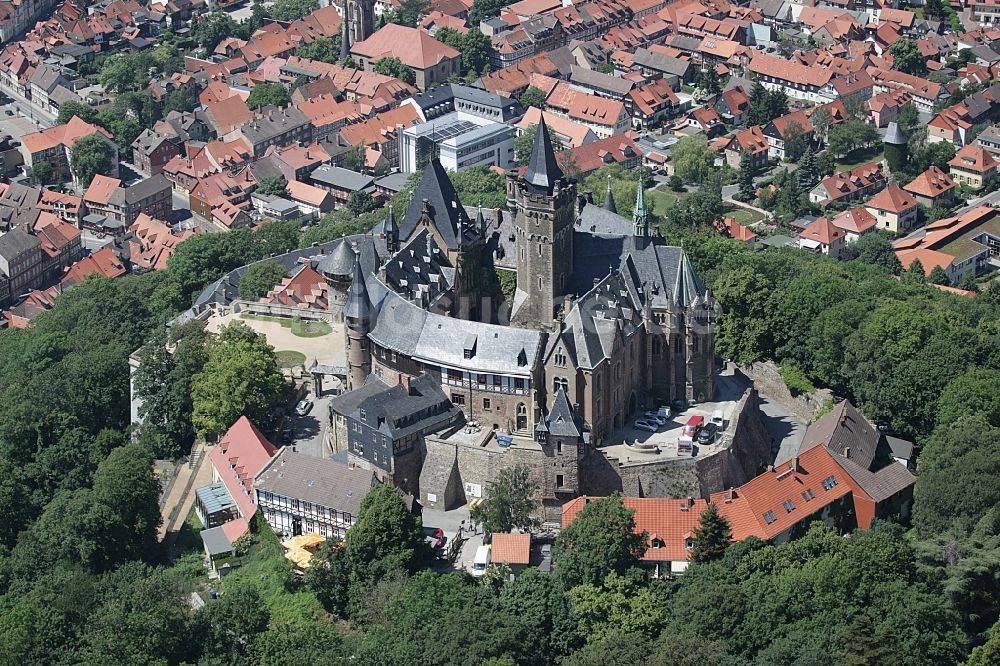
(657, 544)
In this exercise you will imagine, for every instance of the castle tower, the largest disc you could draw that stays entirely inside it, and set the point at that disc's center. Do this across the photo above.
(895, 147)
(358, 317)
(359, 15)
(345, 40)
(543, 203)
(561, 434)
(391, 231)
(609, 201)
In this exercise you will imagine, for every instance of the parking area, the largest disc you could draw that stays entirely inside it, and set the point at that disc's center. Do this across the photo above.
(308, 432)
(452, 523)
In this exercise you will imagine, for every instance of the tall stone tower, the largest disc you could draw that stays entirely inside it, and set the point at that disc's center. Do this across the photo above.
(640, 217)
(359, 15)
(358, 320)
(543, 202)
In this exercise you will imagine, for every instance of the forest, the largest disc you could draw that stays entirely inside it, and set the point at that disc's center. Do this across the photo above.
(83, 581)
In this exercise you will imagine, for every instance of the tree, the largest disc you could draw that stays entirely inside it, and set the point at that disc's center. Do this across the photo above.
(410, 12)
(480, 186)
(909, 118)
(476, 49)
(876, 249)
(43, 173)
(387, 537)
(393, 66)
(329, 575)
(123, 72)
(260, 278)
(272, 186)
(808, 172)
(692, 159)
(361, 202)
(620, 606)
(989, 652)
(971, 394)
(485, 9)
(795, 141)
(293, 10)
(821, 121)
(939, 276)
(92, 155)
(712, 536)
(906, 57)
(81, 110)
(708, 81)
(747, 188)
(208, 31)
(240, 378)
(125, 482)
(268, 94)
(600, 540)
(509, 504)
(179, 100)
(825, 163)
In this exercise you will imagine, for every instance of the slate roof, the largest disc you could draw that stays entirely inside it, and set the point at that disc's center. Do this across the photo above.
(543, 171)
(317, 480)
(843, 429)
(358, 305)
(443, 209)
(561, 421)
(397, 412)
(340, 262)
(16, 242)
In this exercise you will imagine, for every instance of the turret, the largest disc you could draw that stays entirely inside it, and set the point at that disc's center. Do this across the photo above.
(640, 216)
(609, 201)
(358, 317)
(391, 231)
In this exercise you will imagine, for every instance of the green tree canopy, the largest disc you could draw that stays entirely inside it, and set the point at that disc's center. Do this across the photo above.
(92, 155)
(239, 378)
(906, 57)
(393, 66)
(692, 159)
(533, 97)
(260, 278)
(293, 10)
(387, 536)
(599, 541)
(510, 502)
(712, 536)
(268, 94)
(272, 186)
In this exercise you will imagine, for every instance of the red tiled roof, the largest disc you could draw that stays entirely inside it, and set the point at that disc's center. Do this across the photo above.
(670, 522)
(931, 183)
(855, 220)
(893, 199)
(242, 449)
(103, 262)
(511, 548)
(414, 47)
(823, 231)
(974, 158)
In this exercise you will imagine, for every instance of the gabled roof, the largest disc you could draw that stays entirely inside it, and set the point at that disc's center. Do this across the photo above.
(823, 231)
(893, 199)
(241, 453)
(931, 183)
(413, 46)
(974, 158)
(442, 208)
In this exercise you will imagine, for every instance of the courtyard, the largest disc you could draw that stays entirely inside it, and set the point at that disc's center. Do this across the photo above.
(297, 343)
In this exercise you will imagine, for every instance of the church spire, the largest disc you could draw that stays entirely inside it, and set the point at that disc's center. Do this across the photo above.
(640, 217)
(609, 201)
(543, 171)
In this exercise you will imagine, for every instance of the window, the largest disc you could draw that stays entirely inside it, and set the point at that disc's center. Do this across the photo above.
(657, 544)
(522, 416)
(560, 383)
(559, 446)
(829, 483)
(458, 399)
(363, 416)
(808, 494)
(519, 383)
(561, 360)
(560, 480)
(481, 379)
(486, 403)
(770, 517)
(789, 505)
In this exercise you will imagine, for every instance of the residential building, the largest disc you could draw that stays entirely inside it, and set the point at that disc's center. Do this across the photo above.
(751, 141)
(312, 201)
(855, 222)
(103, 262)
(274, 127)
(301, 494)
(960, 245)
(606, 117)
(792, 126)
(972, 166)
(431, 61)
(226, 506)
(650, 104)
(894, 208)
(155, 242)
(857, 183)
(823, 237)
(932, 187)
(54, 145)
(152, 151)
(22, 263)
(668, 524)
(588, 158)
(109, 198)
(341, 183)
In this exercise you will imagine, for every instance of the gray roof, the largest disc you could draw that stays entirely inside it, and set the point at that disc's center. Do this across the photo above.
(147, 188)
(561, 421)
(662, 63)
(399, 412)
(394, 182)
(16, 242)
(900, 448)
(320, 481)
(273, 124)
(595, 80)
(435, 198)
(542, 171)
(882, 484)
(215, 541)
(341, 178)
(340, 262)
(846, 432)
(420, 271)
(894, 135)
(358, 305)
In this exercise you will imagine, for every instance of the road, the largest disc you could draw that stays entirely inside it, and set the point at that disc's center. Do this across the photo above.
(29, 110)
(310, 430)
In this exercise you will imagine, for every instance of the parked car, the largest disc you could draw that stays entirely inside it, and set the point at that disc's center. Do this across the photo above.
(718, 419)
(304, 407)
(643, 424)
(707, 434)
(287, 434)
(665, 412)
(654, 417)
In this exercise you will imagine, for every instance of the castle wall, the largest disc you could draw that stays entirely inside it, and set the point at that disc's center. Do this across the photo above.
(767, 378)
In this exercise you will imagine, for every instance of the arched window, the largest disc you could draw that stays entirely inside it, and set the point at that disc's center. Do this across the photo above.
(522, 416)
(560, 383)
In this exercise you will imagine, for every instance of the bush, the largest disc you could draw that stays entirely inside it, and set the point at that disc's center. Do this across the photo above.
(796, 380)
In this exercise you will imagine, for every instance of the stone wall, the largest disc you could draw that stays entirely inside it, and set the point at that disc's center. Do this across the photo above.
(746, 454)
(766, 378)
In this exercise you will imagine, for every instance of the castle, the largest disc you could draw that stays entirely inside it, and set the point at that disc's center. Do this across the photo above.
(606, 320)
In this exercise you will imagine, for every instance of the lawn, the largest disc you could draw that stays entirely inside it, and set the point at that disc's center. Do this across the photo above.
(188, 538)
(859, 157)
(661, 198)
(303, 328)
(744, 216)
(290, 359)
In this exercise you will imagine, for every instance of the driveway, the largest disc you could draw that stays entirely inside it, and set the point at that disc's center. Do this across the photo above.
(309, 431)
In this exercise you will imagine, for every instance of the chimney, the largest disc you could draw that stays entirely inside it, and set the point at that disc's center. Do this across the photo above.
(847, 452)
(795, 464)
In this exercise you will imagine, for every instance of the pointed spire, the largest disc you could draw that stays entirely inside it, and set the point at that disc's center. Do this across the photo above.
(543, 171)
(358, 305)
(345, 39)
(640, 217)
(609, 201)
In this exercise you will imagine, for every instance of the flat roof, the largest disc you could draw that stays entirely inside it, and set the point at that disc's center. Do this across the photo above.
(215, 541)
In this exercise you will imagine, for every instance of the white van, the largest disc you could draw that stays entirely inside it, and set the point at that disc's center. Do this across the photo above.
(718, 419)
(481, 562)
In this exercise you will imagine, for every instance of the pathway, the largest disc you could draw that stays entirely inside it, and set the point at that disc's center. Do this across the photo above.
(182, 495)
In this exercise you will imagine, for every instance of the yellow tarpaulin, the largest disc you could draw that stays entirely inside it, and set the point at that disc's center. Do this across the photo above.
(300, 549)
